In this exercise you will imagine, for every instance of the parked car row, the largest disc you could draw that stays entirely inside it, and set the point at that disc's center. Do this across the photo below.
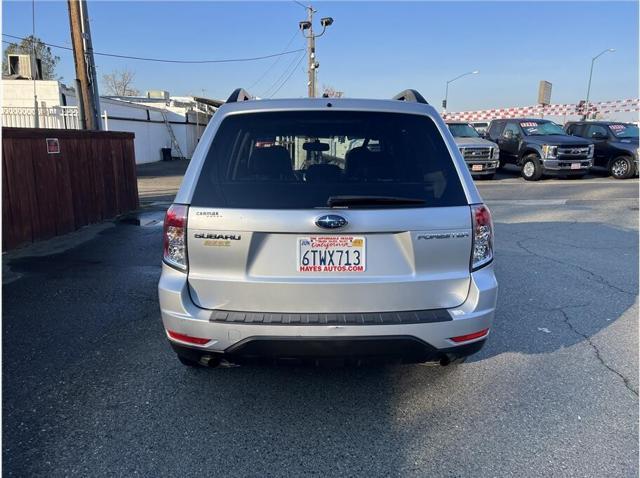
(543, 148)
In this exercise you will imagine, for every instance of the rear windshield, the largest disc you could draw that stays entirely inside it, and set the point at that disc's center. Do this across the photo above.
(298, 160)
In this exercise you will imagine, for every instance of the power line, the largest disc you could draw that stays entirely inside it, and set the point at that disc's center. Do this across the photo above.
(290, 74)
(277, 60)
(163, 60)
(279, 79)
(301, 4)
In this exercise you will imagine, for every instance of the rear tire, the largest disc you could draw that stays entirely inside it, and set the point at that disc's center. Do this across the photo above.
(621, 167)
(531, 169)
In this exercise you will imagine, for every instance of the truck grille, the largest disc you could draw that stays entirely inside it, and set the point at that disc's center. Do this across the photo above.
(573, 152)
(476, 154)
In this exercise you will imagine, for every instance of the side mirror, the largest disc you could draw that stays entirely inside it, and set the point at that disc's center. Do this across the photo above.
(508, 134)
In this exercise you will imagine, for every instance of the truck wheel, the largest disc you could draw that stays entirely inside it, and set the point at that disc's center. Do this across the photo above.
(621, 168)
(531, 168)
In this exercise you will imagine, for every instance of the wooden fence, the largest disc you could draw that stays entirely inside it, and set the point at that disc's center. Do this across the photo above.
(47, 193)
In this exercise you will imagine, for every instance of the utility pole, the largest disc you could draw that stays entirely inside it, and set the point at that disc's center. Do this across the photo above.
(312, 63)
(34, 66)
(88, 96)
(311, 54)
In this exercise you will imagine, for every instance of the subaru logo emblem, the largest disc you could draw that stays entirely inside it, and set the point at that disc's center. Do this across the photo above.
(331, 221)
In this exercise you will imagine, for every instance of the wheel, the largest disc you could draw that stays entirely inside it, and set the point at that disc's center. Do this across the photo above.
(621, 168)
(188, 362)
(531, 168)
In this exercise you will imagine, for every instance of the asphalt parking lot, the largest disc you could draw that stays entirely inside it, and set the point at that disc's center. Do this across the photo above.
(91, 387)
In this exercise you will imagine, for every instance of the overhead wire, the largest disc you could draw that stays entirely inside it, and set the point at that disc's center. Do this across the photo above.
(284, 73)
(164, 60)
(287, 78)
(276, 61)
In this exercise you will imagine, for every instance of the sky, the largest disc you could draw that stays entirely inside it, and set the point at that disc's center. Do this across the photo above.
(373, 49)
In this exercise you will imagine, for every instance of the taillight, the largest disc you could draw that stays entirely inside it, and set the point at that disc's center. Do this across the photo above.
(466, 338)
(482, 236)
(187, 338)
(175, 236)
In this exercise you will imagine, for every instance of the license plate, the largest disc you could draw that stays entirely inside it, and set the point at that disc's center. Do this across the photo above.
(575, 165)
(332, 254)
(476, 167)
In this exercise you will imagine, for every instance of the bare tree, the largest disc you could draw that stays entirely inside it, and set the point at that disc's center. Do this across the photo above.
(120, 83)
(329, 91)
(48, 59)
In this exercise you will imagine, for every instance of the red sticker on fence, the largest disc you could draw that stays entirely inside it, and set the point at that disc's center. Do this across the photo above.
(53, 146)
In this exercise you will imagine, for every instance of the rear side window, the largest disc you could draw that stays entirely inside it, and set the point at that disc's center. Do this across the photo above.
(298, 160)
(595, 129)
(495, 129)
(513, 128)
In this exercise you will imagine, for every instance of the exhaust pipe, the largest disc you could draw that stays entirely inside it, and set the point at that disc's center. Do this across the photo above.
(444, 361)
(209, 361)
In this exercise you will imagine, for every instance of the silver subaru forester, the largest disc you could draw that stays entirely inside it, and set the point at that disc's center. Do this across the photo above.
(317, 229)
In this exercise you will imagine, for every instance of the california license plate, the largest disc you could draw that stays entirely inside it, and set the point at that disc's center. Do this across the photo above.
(476, 167)
(575, 165)
(332, 254)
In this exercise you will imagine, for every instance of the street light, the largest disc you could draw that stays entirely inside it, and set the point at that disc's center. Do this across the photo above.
(593, 60)
(326, 22)
(446, 93)
(306, 27)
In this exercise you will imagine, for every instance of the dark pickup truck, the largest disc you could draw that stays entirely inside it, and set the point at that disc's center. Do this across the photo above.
(540, 147)
(616, 145)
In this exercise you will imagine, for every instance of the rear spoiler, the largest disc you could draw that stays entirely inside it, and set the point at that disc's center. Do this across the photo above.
(410, 95)
(239, 94)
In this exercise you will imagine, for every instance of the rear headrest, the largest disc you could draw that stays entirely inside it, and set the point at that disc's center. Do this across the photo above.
(323, 173)
(365, 164)
(354, 159)
(273, 162)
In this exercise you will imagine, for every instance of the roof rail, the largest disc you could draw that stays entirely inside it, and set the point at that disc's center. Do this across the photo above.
(238, 95)
(411, 95)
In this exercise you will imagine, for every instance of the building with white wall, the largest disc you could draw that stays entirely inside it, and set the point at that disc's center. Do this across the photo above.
(153, 120)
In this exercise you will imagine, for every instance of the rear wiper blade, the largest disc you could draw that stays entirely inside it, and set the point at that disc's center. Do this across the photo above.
(345, 201)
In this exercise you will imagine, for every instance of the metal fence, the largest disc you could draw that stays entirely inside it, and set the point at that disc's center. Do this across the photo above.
(56, 117)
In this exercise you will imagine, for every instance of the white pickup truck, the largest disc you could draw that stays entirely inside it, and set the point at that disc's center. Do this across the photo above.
(482, 156)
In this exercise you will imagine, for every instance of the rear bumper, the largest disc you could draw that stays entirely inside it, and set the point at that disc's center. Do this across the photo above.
(428, 338)
(355, 349)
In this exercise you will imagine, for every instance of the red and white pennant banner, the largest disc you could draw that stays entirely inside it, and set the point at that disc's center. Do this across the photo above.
(603, 107)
